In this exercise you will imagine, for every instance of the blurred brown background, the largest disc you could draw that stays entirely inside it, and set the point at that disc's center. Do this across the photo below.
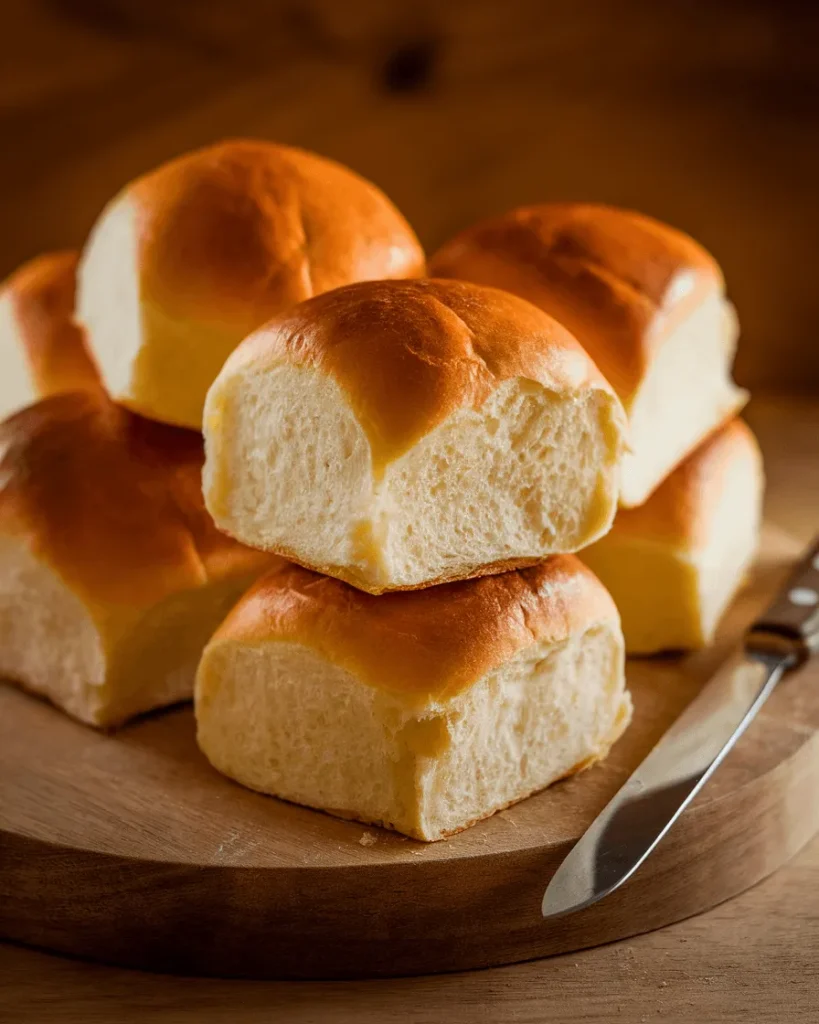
(702, 113)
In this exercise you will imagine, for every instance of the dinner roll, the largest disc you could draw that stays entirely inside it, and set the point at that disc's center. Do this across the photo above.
(42, 350)
(423, 712)
(112, 574)
(674, 564)
(646, 302)
(190, 258)
(397, 434)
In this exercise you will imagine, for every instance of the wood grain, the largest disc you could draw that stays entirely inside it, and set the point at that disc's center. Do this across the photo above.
(130, 849)
(703, 113)
(751, 960)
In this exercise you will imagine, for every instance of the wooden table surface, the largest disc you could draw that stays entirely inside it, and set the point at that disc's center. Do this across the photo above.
(752, 959)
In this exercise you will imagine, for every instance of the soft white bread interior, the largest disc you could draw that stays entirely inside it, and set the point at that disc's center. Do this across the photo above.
(396, 434)
(190, 258)
(422, 712)
(674, 564)
(112, 574)
(42, 350)
(645, 301)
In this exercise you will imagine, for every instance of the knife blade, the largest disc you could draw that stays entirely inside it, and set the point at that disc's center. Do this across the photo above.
(643, 811)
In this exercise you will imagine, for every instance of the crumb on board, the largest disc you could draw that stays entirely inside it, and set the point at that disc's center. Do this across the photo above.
(368, 839)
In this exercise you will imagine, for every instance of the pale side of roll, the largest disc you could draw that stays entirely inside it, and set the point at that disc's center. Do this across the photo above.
(424, 711)
(674, 564)
(42, 350)
(190, 258)
(398, 434)
(112, 574)
(646, 302)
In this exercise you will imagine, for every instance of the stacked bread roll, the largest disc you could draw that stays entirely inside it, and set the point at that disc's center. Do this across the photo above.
(112, 574)
(399, 468)
(422, 448)
(648, 304)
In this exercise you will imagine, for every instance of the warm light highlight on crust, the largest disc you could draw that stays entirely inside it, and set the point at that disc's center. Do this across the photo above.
(39, 297)
(190, 258)
(247, 228)
(645, 301)
(618, 280)
(407, 354)
(112, 574)
(428, 644)
(112, 501)
(422, 712)
(397, 434)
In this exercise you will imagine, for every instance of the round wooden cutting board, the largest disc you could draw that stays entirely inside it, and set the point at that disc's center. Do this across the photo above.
(130, 849)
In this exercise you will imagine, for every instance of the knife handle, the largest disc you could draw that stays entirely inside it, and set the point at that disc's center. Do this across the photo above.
(791, 624)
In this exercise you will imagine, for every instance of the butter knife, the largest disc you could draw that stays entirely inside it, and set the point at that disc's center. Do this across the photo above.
(643, 811)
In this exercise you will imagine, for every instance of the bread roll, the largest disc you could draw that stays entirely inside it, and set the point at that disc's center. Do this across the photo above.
(422, 712)
(190, 258)
(399, 434)
(674, 564)
(42, 350)
(645, 301)
(112, 575)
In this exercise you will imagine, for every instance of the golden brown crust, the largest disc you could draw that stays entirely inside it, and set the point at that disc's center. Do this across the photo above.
(42, 297)
(681, 510)
(407, 354)
(425, 644)
(112, 502)
(244, 229)
(618, 280)
(353, 579)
